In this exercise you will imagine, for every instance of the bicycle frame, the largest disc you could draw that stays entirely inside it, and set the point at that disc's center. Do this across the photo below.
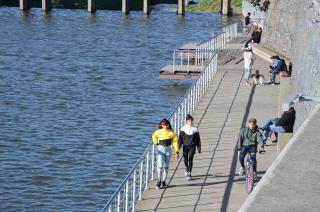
(249, 173)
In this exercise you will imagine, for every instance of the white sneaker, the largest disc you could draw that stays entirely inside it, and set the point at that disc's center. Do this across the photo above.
(241, 171)
(189, 176)
(185, 173)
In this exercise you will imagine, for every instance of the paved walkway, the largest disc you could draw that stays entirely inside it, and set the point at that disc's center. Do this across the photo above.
(224, 108)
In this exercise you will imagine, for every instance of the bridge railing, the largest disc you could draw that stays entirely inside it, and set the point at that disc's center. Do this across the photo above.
(132, 187)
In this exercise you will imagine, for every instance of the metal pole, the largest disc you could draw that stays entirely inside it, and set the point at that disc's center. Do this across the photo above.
(140, 184)
(127, 196)
(134, 191)
(118, 204)
(152, 163)
(147, 171)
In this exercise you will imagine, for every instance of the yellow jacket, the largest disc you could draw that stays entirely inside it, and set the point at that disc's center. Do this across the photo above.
(165, 135)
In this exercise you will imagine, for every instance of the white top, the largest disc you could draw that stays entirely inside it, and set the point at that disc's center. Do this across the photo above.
(189, 130)
(248, 59)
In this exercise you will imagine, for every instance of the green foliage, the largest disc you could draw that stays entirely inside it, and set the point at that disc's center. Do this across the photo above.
(236, 3)
(211, 6)
(205, 6)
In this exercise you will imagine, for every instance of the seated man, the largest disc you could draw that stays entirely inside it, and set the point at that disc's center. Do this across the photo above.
(284, 124)
(247, 143)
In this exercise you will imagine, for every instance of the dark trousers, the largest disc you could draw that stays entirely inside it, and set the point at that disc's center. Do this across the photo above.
(248, 149)
(188, 153)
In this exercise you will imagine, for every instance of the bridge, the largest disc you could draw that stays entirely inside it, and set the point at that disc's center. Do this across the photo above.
(47, 6)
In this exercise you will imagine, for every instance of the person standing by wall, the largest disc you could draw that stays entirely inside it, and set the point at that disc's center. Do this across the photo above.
(248, 63)
(163, 138)
(189, 138)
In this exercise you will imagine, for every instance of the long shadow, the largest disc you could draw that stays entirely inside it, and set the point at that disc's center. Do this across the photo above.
(219, 137)
(227, 191)
(161, 197)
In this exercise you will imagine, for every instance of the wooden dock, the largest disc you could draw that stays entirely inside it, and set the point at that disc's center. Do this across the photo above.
(189, 46)
(180, 71)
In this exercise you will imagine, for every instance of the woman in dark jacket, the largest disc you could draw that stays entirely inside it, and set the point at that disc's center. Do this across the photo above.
(189, 138)
(284, 124)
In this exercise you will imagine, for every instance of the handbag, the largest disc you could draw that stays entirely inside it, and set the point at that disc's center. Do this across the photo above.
(284, 74)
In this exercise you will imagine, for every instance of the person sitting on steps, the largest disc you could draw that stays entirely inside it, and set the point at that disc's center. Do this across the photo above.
(278, 125)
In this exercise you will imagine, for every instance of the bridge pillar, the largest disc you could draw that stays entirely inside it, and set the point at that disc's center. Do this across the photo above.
(226, 7)
(146, 7)
(181, 7)
(46, 5)
(91, 6)
(24, 5)
(125, 6)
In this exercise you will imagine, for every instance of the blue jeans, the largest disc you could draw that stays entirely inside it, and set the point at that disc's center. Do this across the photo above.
(273, 76)
(247, 73)
(248, 149)
(270, 126)
(163, 160)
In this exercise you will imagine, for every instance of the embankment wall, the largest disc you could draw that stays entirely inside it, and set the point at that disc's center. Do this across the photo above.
(292, 29)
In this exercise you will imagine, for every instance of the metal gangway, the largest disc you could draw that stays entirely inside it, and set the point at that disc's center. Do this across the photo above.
(130, 190)
(188, 61)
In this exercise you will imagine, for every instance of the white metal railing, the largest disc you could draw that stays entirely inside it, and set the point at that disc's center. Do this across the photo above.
(131, 188)
(218, 42)
(189, 58)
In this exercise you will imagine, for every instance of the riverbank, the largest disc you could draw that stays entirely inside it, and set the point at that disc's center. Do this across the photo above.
(211, 6)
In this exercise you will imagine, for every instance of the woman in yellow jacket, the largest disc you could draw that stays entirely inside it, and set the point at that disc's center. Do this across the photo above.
(163, 138)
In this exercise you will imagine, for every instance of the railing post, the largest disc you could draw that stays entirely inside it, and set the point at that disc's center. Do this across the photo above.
(134, 191)
(141, 178)
(147, 170)
(127, 196)
(152, 163)
(118, 204)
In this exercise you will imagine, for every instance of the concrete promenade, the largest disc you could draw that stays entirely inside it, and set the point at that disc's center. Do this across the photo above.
(225, 107)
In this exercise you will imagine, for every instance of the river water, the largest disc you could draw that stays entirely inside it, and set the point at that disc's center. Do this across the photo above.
(80, 95)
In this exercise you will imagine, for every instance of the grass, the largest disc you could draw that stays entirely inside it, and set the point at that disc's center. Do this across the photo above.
(211, 6)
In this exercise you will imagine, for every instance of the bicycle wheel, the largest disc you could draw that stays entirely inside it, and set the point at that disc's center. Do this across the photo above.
(249, 178)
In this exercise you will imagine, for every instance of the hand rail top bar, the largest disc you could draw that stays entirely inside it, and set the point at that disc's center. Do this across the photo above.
(220, 33)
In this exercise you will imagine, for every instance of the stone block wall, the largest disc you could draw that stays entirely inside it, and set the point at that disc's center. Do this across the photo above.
(292, 29)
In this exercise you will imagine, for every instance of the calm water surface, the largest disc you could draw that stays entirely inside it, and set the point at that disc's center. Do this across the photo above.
(79, 97)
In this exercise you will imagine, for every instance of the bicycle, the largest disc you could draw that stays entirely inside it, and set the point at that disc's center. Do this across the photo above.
(249, 172)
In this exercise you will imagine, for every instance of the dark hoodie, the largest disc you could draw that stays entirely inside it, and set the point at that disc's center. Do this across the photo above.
(287, 120)
(190, 136)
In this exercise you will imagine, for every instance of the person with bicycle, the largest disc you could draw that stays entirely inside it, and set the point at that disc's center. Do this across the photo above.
(248, 141)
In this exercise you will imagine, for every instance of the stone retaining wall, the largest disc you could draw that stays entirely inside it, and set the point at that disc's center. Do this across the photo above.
(292, 28)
